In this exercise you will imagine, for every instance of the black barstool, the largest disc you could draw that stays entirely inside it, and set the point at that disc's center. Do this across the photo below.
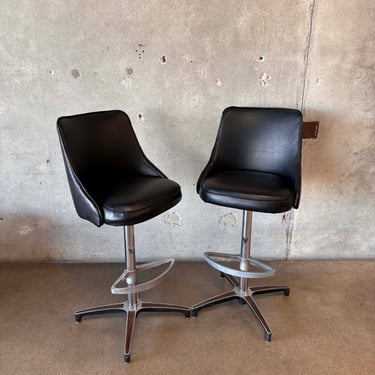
(255, 165)
(112, 182)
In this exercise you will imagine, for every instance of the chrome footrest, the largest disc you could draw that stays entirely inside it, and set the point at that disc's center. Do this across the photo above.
(247, 268)
(127, 277)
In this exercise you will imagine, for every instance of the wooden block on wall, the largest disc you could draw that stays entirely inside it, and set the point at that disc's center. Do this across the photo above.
(310, 129)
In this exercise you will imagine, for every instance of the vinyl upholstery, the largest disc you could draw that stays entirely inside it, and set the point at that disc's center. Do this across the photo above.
(255, 164)
(111, 180)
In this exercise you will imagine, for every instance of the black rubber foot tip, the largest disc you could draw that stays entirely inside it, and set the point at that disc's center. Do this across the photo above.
(194, 313)
(286, 292)
(241, 301)
(187, 314)
(222, 274)
(126, 358)
(267, 336)
(78, 318)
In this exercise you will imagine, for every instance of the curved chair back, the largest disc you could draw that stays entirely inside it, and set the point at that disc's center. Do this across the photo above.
(98, 147)
(259, 139)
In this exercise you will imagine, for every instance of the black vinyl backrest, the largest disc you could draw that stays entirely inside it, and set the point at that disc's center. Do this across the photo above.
(259, 139)
(96, 147)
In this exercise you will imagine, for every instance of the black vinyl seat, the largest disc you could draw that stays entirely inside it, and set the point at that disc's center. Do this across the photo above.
(248, 190)
(255, 166)
(133, 199)
(112, 182)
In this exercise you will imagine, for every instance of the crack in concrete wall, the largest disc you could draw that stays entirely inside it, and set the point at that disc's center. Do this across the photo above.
(288, 218)
(307, 53)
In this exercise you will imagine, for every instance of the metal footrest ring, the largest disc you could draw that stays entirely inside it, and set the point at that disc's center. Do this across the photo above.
(129, 289)
(217, 260)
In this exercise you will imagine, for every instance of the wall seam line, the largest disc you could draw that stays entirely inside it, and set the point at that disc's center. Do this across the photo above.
(290, 230)
(307, 54)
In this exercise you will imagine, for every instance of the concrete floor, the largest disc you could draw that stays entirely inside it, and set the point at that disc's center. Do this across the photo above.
(325, 326)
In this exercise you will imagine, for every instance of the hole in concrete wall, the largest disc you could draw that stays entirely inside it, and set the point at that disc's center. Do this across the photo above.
(260, 58)
(129, 71)
(140, 116)
(163, 60)
(47, 161)
(52, 72)
(75, 73)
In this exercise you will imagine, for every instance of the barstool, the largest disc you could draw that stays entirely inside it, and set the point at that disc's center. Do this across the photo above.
(112, 182)
(255, 165)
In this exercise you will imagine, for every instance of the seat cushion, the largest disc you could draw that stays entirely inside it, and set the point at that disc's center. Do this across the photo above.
(248, 190)
(133, 199)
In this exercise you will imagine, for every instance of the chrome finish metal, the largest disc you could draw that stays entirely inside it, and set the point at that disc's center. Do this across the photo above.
(244, 298)
(131, 312)
(212, 258)
(129, 276)
(133, 306)
(131, 271)
(245, 262)
(245, 250)
(136, 288)
(129, 330)
(247, 221)
(241, 289)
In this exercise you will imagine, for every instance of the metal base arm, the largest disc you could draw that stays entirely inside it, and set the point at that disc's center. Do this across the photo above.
(244, 298)
(131, 314)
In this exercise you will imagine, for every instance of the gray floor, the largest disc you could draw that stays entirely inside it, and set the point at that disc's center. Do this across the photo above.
(325, 326)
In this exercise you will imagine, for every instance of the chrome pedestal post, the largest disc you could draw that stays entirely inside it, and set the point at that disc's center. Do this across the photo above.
(133, 305)
(241, 289)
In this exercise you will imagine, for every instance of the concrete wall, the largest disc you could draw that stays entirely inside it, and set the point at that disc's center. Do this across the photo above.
(173, 66)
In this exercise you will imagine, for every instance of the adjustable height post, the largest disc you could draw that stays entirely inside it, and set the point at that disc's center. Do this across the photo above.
(131, 278)
(245, 247)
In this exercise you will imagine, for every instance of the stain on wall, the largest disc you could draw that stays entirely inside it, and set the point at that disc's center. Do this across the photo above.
(172, 218)
(228, 220)
(265, 80)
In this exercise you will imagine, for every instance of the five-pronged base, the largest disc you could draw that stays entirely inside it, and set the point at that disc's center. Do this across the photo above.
(244, 298)
(131, 314)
